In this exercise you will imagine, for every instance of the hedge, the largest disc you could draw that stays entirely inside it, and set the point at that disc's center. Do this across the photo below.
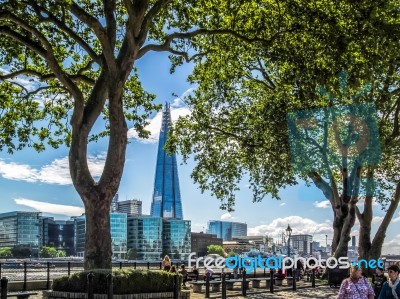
(126, 281)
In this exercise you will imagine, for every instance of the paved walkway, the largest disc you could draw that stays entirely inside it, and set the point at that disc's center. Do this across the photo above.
(321, 292)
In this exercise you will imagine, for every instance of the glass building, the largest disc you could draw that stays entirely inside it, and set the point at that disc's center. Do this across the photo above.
(119, 234)
(166, 195)
(20, 228)
(227, 229)
(145, 237)
(118, 229)
(58, 234)
(177, 238)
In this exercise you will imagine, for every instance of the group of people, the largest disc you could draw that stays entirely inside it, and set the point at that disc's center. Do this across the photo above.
(167, 265)
(358, 287)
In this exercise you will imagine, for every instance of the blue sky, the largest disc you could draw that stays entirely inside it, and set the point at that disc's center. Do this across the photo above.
(40, 182)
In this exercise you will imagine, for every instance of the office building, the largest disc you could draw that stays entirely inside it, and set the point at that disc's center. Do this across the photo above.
(166, 195)
(145, 237)
(227, 229)
(132, 207)
(200, 242)
(118, 230)
(58, 234)
(20, 228)
(176, 238)
(302, 243)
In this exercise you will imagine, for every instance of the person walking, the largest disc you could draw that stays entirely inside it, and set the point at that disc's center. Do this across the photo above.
(356, 286)
(391, 288)
(378, 281)
(166, 263)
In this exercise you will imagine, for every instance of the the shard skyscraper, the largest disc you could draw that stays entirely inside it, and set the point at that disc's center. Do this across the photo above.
(166, 195)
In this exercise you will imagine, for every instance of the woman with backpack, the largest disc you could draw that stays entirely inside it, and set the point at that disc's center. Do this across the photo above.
(356, 286)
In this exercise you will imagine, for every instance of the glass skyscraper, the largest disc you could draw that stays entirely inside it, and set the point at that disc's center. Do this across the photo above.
(166, 195)
(227, 229)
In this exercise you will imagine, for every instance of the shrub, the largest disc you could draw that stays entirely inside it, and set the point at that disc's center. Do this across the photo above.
(126, 281)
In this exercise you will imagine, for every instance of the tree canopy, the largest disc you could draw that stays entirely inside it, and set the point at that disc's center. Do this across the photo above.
(65, 64)
(240, 111)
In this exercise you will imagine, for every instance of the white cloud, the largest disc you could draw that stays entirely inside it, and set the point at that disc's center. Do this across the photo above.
(57, 172)
(155, 124)
(322, 204)
(51, 208)
(298, 224)
(361, 201)
(392, 246)
(377, 219)
(283, 204)
(178, 102)
(227, 216)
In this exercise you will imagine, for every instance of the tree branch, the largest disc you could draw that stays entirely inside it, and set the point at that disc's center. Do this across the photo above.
(61, 25)
(109, 9)
(100, 32)
(46, 52)
(148, 19)
(166, 46)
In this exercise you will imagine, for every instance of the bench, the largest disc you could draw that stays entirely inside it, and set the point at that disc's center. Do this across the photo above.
(21, 295)
(256, 282)
(231, 282)
(197, 285)
(192, 276)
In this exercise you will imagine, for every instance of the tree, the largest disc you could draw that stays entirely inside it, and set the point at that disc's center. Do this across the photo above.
(215, 249)
(240, 110)
(5, 252)
(47, 251)
(80, 58)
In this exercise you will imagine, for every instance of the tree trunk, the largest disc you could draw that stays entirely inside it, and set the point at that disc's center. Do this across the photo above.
(349, 220)
(98, 251)
(373, 250)
(97, 196)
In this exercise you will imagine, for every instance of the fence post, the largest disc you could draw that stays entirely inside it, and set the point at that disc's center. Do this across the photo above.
(294, 278)
(69, 268)
(134, 265)
(271, 283)
(148, 265)
(90, 294)
(4, 282)
(223, 291)
(254, 271)
(110, 290)
(120, 265)
(160, 265)
(244, 282)
(25, 274)
(313, 278)
(207, 295)
(48, 276)
(176, 286)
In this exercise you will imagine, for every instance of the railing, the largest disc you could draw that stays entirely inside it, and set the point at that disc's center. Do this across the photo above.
(28, 271)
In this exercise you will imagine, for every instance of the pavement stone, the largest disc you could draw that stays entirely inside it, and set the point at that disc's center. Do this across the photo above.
(320, 292)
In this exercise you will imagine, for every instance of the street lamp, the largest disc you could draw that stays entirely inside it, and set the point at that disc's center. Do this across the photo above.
(289, 233)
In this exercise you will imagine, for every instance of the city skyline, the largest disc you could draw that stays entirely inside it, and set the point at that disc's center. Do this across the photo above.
(40, 181)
